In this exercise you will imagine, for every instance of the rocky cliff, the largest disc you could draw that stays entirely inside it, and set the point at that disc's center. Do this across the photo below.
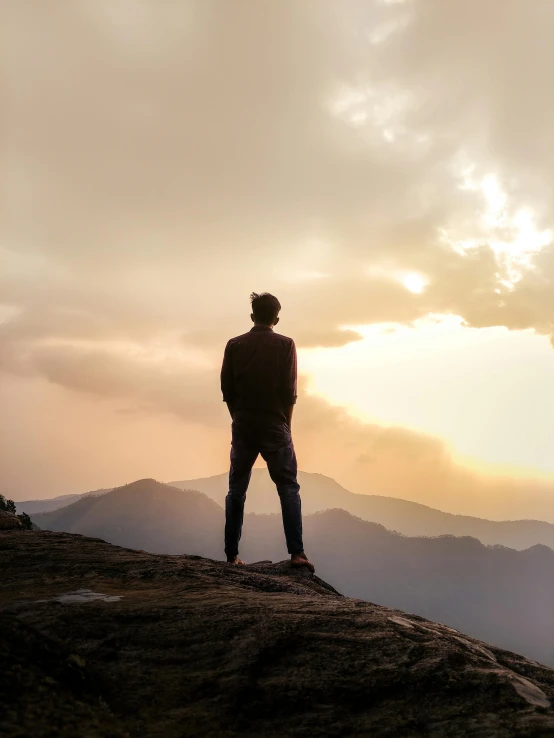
(498, 595)
(97, 640)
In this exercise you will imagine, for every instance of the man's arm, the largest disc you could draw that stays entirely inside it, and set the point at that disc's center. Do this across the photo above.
(288, 413)
(289, 382)
(227, 380)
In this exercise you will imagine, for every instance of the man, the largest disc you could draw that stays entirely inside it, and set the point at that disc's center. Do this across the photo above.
(258, 382)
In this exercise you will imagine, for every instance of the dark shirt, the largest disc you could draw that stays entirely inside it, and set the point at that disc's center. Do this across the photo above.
(259, 375)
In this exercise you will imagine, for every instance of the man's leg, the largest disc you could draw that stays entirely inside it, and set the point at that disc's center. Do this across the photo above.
(279, 454)
(243, 457)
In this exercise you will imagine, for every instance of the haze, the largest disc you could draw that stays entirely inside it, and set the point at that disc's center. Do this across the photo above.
(385, 168)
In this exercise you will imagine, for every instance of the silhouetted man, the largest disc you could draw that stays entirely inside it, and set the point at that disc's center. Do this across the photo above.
(258, 381)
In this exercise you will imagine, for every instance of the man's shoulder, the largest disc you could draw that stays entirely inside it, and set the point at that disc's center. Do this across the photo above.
(237, 339)
(284, 339)
(277, 337)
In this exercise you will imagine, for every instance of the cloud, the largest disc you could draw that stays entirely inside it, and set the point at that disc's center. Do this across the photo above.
(197, 148)
(103, 421)
(163, 161)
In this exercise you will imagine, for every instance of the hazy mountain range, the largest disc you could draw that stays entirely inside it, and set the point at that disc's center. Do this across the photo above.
(321, 493)
(54, 503)
(497, 594)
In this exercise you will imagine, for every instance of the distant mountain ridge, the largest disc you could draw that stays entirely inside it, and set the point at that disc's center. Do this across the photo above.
(320, 493)
(494, 593)
(54, 503)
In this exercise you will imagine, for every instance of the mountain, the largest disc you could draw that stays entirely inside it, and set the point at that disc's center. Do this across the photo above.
(494, 593)
(319, 493)
(112, 642)
(145, 515)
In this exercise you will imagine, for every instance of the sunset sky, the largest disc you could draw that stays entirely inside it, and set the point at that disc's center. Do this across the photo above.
(385, 167)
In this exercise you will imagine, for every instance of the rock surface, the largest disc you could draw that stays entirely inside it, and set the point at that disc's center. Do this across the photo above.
(497, 595)
(97, 640)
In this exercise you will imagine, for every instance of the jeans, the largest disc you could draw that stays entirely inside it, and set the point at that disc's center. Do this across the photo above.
(274, 443)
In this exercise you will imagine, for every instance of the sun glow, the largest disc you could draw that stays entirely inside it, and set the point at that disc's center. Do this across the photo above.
(414, 283)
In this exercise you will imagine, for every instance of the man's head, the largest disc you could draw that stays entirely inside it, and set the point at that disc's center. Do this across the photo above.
(265, 309)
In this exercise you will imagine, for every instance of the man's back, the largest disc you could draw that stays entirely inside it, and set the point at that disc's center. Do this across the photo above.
(258, 376)
(258, 381)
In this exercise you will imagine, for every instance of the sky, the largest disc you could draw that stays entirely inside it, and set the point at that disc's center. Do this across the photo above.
(385, 167)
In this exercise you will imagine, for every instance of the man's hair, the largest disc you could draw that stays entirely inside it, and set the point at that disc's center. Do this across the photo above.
(265, 307)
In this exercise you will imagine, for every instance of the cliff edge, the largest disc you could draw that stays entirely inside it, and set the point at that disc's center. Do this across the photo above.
(98, 640)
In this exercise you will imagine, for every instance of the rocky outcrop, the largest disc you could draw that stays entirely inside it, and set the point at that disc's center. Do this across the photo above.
(8, 521)
(98, 640)
(497, 595)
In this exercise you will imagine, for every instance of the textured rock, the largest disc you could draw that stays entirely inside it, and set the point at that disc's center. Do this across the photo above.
(96, 640)
(497, 595)
(8, 521)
